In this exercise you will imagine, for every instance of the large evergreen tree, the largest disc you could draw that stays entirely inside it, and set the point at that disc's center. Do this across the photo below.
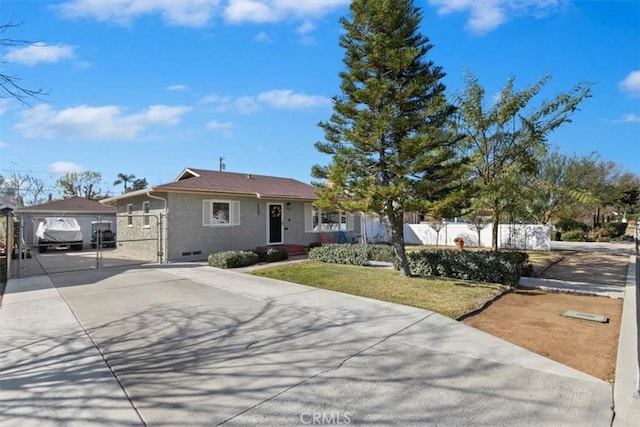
(388, 137)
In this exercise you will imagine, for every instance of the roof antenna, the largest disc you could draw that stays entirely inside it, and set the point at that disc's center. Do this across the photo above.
(222, 165)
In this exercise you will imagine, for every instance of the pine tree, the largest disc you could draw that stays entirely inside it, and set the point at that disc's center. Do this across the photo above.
(388, 135)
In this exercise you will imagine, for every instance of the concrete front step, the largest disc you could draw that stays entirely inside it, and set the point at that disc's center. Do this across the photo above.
(294, 250)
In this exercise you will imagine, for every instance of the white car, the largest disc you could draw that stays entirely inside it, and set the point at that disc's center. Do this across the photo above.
(55, 232)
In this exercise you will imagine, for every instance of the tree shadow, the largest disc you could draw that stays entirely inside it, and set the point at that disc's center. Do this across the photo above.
(212, 359)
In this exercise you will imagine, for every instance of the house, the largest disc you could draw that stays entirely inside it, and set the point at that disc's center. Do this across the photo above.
(204, 211)
(85, 211)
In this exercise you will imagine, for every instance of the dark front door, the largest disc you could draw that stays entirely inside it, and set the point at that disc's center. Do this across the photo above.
(275, 223)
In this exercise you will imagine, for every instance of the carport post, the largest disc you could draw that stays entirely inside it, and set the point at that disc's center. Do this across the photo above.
(8, 249)
(98, 245)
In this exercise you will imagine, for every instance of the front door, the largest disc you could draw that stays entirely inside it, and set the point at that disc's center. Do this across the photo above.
(274, 223)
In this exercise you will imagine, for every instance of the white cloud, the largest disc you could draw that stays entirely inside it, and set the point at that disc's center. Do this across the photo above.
(39, 52)
(306, 27)
(288, 99)
(214, 124)
(243, 104)
(279, 99)
(631, 83)
(177, 88)
(628, 118)
(63, 167)
(94, 123)
(262, 37)
(199, 13)
(259, 11)
(187, 13)
(224, 127)
(4, 105)
(250, 11)
(487, 15)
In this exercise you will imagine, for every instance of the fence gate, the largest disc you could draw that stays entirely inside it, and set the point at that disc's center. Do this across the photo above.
(105, 243)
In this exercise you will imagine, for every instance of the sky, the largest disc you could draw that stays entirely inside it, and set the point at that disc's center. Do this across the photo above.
(149, 87)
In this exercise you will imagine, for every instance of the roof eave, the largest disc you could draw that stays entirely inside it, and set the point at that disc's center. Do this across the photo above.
(135, 193)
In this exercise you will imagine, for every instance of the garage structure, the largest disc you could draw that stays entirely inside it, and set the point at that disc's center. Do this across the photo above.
(85, 211)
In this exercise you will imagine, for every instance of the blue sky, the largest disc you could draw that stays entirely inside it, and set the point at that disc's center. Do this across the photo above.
(148, 87)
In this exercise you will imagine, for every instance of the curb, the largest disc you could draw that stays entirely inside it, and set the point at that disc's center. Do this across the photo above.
(626, 396)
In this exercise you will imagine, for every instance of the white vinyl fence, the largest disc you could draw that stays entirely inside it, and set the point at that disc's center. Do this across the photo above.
(513, 236)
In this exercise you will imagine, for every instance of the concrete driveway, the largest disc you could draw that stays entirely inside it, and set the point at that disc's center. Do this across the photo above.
(193, 345)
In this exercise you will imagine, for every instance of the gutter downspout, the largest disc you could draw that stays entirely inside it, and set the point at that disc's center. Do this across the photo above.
(162, 251)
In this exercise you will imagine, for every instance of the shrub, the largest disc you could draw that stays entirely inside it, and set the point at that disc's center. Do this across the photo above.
(315, 245)
(574, 236)
(569, 224)
(384, 253)
(614, 229)
(269, 254)
(233, 259)
(340, 254)
(484, 266)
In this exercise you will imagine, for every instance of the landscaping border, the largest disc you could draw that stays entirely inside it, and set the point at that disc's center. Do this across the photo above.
(626, 390)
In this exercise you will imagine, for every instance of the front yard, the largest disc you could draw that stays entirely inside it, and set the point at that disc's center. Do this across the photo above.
(449, 297)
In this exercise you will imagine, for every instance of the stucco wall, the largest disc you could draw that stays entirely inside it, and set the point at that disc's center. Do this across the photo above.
(139, 241)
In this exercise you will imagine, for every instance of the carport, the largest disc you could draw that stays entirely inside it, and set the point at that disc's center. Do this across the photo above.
(60, 258)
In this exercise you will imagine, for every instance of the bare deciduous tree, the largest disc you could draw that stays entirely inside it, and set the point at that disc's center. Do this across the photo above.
(10, 84)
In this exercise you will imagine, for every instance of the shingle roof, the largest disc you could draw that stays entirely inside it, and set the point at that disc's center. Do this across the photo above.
(200, 180)
(73, 204)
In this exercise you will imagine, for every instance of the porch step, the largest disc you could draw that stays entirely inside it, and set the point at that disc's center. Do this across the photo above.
(295, 250)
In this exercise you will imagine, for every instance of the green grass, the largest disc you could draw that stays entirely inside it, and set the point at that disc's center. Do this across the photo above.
(449, 297)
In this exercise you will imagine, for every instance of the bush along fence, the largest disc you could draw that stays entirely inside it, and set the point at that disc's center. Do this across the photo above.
(484, 266)
(505, 268)
(352, 254)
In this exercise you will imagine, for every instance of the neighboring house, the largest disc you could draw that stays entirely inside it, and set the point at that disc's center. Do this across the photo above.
(204, 211)
(85, 211)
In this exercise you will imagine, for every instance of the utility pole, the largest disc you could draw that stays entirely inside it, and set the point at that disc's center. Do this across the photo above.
(222, 165)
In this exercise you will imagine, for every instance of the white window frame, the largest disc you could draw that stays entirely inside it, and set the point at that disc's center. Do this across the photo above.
(207, 213)
(146, 209)
(315, 214)
(130, 215)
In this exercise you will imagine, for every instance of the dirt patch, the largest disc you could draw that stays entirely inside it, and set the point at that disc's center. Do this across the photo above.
(589, 267)
(532, 319)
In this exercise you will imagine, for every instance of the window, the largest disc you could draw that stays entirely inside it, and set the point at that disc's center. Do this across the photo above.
(145, 214)
(317, 220)
(220, 213)
(129, 215)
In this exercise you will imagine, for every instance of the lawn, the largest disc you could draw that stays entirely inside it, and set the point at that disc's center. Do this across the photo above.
(449, 297)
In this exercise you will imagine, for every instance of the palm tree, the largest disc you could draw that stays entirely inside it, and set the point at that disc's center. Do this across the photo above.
(123, 178)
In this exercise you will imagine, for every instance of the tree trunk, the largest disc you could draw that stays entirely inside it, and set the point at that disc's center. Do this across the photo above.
(397, 240)
(495, 221)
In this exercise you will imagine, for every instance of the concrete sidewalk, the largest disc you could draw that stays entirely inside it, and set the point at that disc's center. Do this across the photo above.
(51, 373)
(201, 346)
(611, 291)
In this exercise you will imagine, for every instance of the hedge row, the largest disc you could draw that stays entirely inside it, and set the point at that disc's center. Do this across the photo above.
(358, 254)
(233, 259)
(236, 259)
(268, 254)
(483, 266)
